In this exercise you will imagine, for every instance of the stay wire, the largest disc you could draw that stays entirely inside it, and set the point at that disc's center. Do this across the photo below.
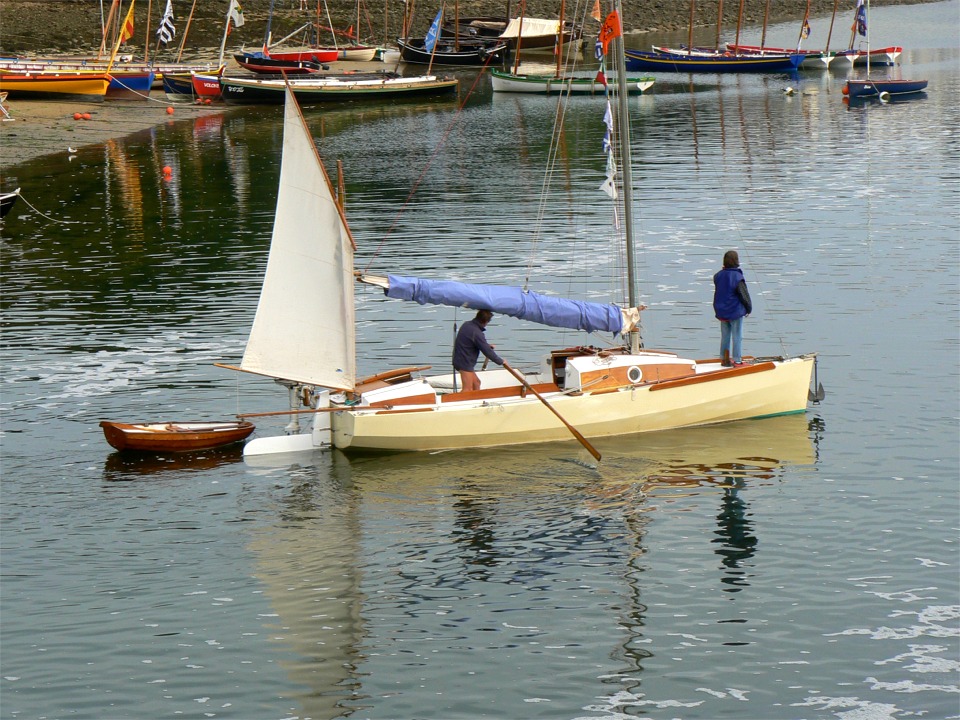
(436, 151)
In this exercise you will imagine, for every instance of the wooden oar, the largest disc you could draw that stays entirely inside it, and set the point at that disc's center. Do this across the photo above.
(576, 433)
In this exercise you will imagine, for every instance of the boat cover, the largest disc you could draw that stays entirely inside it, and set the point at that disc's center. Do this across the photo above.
(530, 27)
(512, 301)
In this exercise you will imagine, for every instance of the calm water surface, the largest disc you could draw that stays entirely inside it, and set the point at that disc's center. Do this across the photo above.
(802, 567)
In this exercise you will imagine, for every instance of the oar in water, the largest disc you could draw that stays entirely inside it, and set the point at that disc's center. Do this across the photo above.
(576, 433)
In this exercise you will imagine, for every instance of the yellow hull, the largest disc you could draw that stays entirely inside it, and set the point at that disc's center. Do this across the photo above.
(777, 388)
(89, 86)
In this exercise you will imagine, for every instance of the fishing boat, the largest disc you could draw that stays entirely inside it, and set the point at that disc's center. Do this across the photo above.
(541, 35)
(580, 391)
(565, 79)
(7, 201)
(263, 64)
(689, 58)
(523, 33)
(569, 83)
(452, 51)
(883, 88)
(701, 62)
(322, 88)
(175, 437)
(314, 55)
(812, 58)
(86, 85)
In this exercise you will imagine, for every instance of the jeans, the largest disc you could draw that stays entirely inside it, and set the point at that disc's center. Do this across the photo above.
(731, 340)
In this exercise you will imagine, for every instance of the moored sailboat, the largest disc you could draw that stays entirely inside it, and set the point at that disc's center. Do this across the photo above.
(582, 390)
(884, 88)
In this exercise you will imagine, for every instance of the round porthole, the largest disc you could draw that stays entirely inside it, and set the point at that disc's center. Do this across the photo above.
(634, 374)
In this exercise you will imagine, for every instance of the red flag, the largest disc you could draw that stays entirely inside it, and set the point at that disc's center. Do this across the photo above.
(126, 30)
(595, 13)
(601, 78)
(609, 30)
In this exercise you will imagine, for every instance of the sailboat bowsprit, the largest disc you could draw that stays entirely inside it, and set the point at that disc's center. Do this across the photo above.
(582, 390)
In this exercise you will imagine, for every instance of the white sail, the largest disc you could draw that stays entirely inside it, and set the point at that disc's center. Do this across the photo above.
(304, 327)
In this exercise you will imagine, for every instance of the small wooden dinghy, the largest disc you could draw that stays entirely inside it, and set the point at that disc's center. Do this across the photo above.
(174, 436)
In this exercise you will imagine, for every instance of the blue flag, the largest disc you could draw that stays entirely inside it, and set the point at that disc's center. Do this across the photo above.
(433, 33)
(861, 18)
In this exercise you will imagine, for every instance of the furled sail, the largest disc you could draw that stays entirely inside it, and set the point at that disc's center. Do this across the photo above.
(512, 301)
(304, 326)
(530, 27)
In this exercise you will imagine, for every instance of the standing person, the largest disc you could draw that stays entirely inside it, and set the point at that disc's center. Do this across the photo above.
(470, 342)
(731, 303)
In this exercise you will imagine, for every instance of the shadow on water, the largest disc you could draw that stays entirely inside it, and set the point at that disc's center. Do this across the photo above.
(131, 466)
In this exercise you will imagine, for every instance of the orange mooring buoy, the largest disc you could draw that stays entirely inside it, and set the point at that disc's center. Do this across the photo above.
(167, 170)
(169, 110)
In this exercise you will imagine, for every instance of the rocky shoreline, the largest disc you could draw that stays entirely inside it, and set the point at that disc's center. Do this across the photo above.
(71, 27)
(33, 27)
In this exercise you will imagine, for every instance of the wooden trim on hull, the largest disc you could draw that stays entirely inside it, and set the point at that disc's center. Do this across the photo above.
(762, 390)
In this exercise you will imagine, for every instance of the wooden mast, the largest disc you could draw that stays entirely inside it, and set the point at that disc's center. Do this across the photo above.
(739, 24)
(183, 38)
(560, 39)
(114, 11)
(826, 49)
(766, 17)
(716, 45)
(626, 166)
(689, 31)
(146, 33)
(806, 19)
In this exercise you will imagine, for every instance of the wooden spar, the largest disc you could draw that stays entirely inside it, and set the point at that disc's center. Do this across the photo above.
(146, 33)
(560, 39)
(456, 27)
(114, 10)
(573, 431)
(806, 19)
(740, 22)
(833, 17)
(716, 45)
(292, 412)
(183, 39)
(853, 29)
(766, 17)
(516, 50)
(436, 40)
(690, 30)
(116, 47)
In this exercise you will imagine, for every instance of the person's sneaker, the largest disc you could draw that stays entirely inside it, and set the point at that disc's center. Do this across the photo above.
(739, 364)
(726, 364)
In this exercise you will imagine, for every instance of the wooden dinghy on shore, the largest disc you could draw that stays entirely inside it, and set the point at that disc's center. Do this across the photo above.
(175, 437)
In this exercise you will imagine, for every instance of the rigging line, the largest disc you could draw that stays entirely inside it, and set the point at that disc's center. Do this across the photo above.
(433, 156)
(569, 66)
(47, 217)
(754, 272)
(552, 155)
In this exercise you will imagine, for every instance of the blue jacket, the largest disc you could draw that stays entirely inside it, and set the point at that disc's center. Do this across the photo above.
(469, 344)
(731, 300)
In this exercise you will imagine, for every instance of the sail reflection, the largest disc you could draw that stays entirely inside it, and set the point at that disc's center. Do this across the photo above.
(309, 560)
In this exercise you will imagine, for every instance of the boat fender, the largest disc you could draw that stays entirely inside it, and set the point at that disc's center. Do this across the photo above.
(634, 374)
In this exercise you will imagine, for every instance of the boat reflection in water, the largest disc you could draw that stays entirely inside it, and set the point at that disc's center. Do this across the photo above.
(357, 539)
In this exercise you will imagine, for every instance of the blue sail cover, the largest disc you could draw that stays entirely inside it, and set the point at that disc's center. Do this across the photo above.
(512, 301)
